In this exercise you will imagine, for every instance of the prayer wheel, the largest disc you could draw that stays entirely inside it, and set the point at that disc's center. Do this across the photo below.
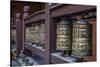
(63, 41)
(36, 33)
(81, 38)
(29, 34)
(42, 33)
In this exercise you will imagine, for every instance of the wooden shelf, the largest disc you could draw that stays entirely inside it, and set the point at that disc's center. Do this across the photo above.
(37, 16)
(35, 50)
(57, 58)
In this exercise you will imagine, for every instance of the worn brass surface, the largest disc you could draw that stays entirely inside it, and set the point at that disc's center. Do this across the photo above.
(81, 39)
(63, 41)
(36, 34)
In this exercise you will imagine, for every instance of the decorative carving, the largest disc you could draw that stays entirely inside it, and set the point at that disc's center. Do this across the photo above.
(63, 40)
(81, 45)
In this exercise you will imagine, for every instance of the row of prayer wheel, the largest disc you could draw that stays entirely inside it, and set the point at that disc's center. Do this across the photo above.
(74, 38)
(36, 34)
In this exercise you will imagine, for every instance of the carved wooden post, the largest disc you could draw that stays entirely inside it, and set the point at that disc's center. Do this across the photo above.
(26, 11)
(25, 14)
(18, 33)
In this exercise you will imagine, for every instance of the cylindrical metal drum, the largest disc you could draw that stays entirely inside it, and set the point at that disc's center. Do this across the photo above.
(63, 41)
(36, 33)
(81, 38)
(41, 35)
(29, 34)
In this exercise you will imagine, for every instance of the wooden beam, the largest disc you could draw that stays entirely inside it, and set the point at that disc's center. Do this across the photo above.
(69, 9)
(47, 35)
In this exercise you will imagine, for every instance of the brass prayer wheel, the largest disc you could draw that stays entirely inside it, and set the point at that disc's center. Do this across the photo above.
(42, 33)
(36, 33)
(63, 41)
(29, 34)
(81, 38)
(41, 36)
